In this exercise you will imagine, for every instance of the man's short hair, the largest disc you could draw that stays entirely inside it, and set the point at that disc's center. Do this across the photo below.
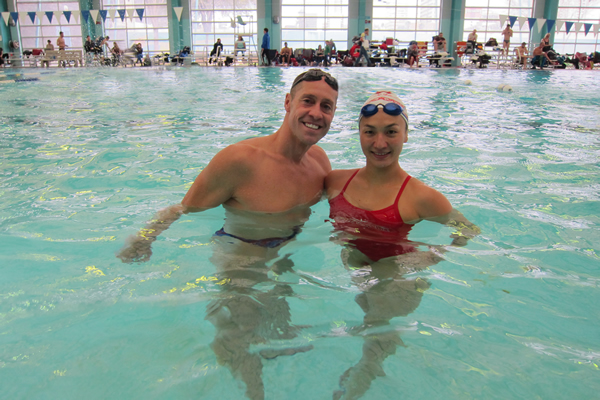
(312, 75)
(266, 29)
(60, 33)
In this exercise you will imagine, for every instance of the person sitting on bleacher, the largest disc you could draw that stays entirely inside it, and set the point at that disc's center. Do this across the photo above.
(522, 54)
(49, 46)
(286, 54)
(540, 58)
(216, 51)
(240, 46)
(439, 43)
(319, 55)
(413, 54)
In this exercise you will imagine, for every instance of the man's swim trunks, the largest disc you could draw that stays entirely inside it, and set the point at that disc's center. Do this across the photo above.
(269, 243)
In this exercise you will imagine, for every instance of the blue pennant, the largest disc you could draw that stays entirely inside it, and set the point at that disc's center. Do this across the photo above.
(531, 22)
(550, 24)
(50, 14)
(140, 12)
(103, 14)
(32, 16)
(587, 28)
(14, 16)
(512, 20)
(86, 15)
(569, 25)
(121, 14)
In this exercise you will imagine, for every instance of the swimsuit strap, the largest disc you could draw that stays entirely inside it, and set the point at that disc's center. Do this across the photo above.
(348, 182)
(401, 190)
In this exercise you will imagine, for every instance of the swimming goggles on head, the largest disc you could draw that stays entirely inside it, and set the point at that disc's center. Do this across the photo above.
(389, 108)
(316, 74)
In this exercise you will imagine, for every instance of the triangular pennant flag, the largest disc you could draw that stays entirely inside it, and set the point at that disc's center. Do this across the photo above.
(76, 15)
(49, 15)
(23, 15)
(112, 13)
(522, 21)
(512, 20)
(541, 22)
(67, 15)
(32, 16)
(597, 28)
(550, 24)
(94, 15)
(587, 28)
(130, 12)
(86, 15)
(40, 15)
(6, 15)
(503, 19)
(14, 16)
(568, 25)
(559, 24)
(140, 12)
(103, 14)
(578, 26)
(122, 14)
(531, 22)
(179, 10)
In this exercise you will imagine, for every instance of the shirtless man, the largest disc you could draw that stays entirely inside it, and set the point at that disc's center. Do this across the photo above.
(507, 32)
(266, 185)
(540, 57)
(286, 54)
(60, 42)
(522, 54)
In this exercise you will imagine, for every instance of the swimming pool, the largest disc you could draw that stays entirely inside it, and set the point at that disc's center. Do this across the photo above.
(89, 155)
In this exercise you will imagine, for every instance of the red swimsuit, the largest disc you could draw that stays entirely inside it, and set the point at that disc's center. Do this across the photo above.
(381, 233)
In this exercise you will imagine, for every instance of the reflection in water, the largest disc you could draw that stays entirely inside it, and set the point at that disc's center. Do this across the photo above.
(244, 315)
(385, 294)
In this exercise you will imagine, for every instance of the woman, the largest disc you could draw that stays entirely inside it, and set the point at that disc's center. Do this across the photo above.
(374, 209)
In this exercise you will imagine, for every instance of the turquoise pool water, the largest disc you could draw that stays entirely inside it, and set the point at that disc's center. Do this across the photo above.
(89, 155)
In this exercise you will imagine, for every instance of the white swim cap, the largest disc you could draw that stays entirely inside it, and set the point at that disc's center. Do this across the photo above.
(383, 97)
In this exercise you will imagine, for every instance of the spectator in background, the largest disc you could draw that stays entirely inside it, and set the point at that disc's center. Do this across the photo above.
(413, 54)
(507, 32)
(264, 48)
(286, 54)
(240, 46)
(333, 50)
(139, 54)
(522, 54)
(320, 55)
(216, 51)
(363, 48)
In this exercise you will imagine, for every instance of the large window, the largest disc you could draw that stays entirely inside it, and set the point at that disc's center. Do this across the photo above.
(406, 20)
(484, 15)
(152, 31)
(308, 23)
(35, 35)
(584, 11)
(220, 19)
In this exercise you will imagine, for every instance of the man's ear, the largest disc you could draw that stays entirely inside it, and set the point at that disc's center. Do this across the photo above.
(288, 100)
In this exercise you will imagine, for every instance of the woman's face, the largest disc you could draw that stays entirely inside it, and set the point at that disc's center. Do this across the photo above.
(382, 137)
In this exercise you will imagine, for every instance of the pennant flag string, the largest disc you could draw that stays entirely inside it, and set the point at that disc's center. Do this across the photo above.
(67, 15)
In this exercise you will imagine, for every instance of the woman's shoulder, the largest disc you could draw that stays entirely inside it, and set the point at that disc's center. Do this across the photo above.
(336, 179)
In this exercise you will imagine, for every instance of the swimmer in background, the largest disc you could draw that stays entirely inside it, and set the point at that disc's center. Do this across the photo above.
(508, 33)
(266, 185)
(373, 210)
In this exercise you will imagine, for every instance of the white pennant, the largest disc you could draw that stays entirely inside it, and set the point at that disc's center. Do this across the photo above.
(130, 13)
(597, 28)
(578, 26)
(5, 15)
(178, 11)
(112, 13)
(76, 15)
(94, 15)
(40, 15)
(23, 15)
(522, 21)
(540, 23)
(559, 24)
(503, 19)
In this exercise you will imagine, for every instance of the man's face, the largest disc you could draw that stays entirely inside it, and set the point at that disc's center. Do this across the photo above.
(310, 110)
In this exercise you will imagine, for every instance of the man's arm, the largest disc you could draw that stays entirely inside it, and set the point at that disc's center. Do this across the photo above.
(213, 187)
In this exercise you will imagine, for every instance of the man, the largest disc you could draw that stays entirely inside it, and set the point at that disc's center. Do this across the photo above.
(472, 36)
(216, 51)
(471, 42)
(264, 47)
(60, 42)
(507, 32)
(278, 176)
(363, 48)
(522, 54)
(266, 185)
(49, 46)
(540, 57)
(286, 54)
(327, 54)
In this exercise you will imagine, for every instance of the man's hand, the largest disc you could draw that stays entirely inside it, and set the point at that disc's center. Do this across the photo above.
(136, 249)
